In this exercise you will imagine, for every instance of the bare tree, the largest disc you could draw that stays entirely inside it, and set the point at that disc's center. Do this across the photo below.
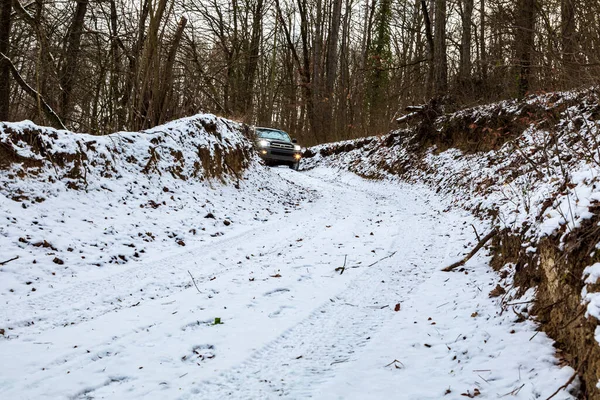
(68, 71)
(465, 44)
(524, 43)
(5, 11)
(440, 60)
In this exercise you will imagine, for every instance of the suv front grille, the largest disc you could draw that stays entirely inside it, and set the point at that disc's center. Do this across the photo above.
(279, 145)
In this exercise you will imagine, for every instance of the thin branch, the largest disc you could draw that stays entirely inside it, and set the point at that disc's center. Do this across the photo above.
(48, 111)
(343, 267)
(384, 258)
(563, 387)
(7, 261)
(194, 281)
(481, 243)
(476, 234)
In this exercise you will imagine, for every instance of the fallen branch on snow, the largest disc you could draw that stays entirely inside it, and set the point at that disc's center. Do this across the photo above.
(343, 267)
(194, 281)
(7, 261)
(481, 243)
(378, 261)
(571, 379)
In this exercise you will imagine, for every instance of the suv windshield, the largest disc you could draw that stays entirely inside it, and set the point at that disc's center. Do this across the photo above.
(273, 134)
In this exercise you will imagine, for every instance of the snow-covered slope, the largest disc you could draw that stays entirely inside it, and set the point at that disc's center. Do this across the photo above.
(76, 206)
(531, 168)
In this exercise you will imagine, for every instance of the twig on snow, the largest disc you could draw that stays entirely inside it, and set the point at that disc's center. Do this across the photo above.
(519, 302)
(534, 335)
(339, 361)
(476, 234)
(343, 267)
(571, 379)
(481, 243)
(194, 281)
(395, 362)
(380, 260)
(514, 392)
(7, 261)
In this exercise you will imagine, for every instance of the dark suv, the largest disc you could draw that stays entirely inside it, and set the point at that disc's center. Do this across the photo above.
(276, 148)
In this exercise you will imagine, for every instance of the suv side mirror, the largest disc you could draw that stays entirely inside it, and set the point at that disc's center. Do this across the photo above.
(294, 141)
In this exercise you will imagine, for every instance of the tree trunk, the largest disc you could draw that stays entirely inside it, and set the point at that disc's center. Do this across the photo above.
(162, 100)
(482, 52)
(308, 83)
(5, 11)
(252, 59)
(115, 70)
(440, 60)
(73, 44)
(147, 71)
(378, 59)
(568, 39)
(317, 112)
(344, 87)
(465, 43)
(524, 38)
(126, 109)
(430, 47)
(331, 64)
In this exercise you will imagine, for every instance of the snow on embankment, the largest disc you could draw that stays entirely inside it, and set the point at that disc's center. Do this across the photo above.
(532, 169)
(76, 206)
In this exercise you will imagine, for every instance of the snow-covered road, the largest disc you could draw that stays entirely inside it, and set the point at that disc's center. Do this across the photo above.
(391, 326)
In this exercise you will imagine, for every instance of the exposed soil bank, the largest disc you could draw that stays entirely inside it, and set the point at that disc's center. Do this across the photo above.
(199, 148)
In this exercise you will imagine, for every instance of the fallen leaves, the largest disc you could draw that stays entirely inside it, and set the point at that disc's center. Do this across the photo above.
(468, 394)
(397, 307)
(497, 292)
(45, 244)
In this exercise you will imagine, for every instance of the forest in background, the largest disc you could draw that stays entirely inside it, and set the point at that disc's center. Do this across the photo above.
(324, 70)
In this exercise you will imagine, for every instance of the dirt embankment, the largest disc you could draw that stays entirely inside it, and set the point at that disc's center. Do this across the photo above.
(202, 147)
(531, 169)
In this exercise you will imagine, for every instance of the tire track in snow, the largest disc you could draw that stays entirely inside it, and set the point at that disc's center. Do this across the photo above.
(135, 284)
(305, 356)
(94, 298)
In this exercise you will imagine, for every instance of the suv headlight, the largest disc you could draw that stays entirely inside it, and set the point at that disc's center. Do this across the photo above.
(297, 148)
(263, 143)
